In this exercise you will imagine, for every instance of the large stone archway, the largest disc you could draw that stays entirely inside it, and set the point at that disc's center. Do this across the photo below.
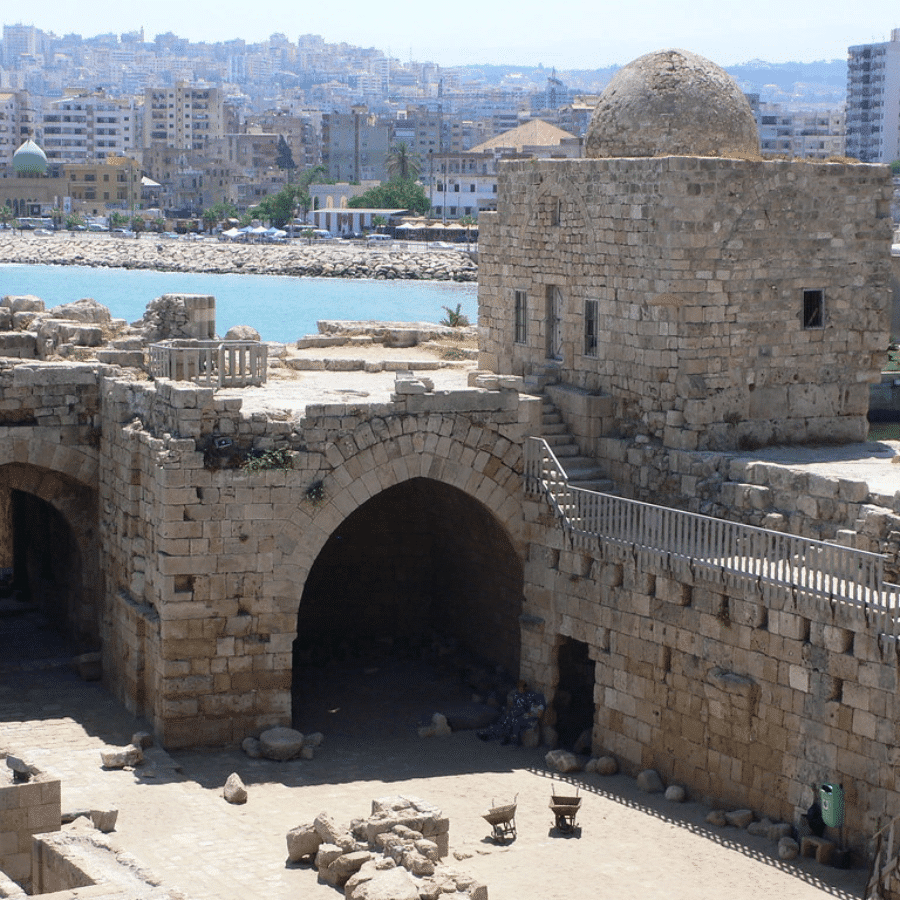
(418, 569)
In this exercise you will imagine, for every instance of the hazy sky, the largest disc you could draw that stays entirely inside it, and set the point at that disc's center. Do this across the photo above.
(573, 34)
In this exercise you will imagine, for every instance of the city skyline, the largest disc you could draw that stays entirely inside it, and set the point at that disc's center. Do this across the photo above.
(478, 33)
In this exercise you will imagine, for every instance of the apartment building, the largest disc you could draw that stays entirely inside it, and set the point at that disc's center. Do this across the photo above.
(461, 184)
(17, 121)
(873, 101)
(82, 127)
(186, 116)
(355, 145)
(799, 134)
(96, 187)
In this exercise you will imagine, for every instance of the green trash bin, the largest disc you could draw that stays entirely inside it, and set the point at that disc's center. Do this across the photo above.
(831, 799)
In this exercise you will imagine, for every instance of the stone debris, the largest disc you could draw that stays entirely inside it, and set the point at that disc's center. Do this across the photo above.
(394, 854)
(142, 739)
(303, 842)
(104, 819)
(716, 817)
(650, 782)
(788, 848)
(563, 761)
(602, 765)
(438, 727)
(281, 744)
(234, 791)
(119, 759)
(675, 793)
(251, 746)
(739, 818)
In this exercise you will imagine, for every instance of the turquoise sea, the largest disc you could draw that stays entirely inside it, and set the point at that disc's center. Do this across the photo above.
(280, 308)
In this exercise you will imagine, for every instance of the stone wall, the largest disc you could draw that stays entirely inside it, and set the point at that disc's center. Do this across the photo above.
(26, 809)
(206, 562)
(698, 269)
(745, 698)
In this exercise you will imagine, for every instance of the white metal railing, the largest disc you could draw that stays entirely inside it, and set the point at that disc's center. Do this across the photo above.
(796, 568)
(210, 363)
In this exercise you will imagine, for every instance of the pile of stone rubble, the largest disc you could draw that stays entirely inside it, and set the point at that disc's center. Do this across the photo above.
(394, 854)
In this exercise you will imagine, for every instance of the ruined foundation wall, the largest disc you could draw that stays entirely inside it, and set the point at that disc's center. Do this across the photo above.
(698, 269)
(745, 699)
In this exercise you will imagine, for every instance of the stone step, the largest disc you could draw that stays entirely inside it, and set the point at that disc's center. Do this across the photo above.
(554, 428)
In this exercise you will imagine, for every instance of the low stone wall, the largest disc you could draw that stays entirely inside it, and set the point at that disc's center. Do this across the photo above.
(26, 809)
(210, 256)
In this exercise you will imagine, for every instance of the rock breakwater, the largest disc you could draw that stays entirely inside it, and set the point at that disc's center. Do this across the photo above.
(332, 259)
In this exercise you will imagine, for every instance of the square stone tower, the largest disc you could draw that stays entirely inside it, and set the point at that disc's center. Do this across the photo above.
(720, 300)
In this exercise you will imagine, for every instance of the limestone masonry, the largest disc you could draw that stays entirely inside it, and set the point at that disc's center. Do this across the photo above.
(652, 328)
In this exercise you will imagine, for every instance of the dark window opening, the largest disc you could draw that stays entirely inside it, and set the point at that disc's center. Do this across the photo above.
(813, 309)
(521, 307)
(590, 327)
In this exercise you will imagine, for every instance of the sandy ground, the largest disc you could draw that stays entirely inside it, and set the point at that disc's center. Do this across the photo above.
(173, 819)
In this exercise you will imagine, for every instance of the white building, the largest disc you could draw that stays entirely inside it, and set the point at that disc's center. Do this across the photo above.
(803, 133)
(873, 101)
(86, 127)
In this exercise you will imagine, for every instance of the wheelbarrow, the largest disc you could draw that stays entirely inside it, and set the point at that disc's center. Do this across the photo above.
(565, 809)
(502, 820)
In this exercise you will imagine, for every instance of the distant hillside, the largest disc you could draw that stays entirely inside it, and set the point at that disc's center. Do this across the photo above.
(823, 82)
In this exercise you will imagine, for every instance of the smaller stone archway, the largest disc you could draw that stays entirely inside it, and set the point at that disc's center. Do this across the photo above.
(49, 547)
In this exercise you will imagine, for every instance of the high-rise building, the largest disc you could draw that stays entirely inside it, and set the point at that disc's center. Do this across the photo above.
(873, 101)
(185, 117)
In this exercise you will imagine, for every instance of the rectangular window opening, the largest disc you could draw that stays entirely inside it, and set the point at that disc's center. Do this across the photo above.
(813, 308)
(521, 309)
(590, 327)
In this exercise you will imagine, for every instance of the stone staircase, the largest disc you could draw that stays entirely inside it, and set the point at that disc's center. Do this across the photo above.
(582, 471)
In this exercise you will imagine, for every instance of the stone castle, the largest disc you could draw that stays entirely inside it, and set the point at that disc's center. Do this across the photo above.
(598, 513)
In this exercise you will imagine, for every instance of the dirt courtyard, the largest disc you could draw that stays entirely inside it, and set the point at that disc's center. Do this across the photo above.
(175, 822)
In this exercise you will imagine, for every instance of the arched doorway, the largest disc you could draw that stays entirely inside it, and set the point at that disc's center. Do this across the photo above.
(422, 573)
(49, 589)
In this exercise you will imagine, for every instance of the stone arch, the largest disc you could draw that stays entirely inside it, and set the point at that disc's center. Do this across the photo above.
(550, 190)
(74, 543)
(363, 473)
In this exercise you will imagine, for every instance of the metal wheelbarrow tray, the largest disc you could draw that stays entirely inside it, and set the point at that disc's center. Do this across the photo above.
(502, 820)
(565, 809)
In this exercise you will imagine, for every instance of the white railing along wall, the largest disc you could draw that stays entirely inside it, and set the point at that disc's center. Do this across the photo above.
(808, 571)
(210, 363)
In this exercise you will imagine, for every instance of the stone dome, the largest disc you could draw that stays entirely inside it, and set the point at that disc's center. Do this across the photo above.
(29, 159)
(672, 103)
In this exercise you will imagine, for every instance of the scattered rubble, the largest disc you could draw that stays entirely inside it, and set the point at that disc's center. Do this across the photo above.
(394, 854)
(234, 791)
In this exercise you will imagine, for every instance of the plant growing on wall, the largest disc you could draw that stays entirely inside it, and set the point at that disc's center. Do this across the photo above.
(278, 458)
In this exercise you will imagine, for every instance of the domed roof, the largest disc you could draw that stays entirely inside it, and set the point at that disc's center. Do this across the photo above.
(672, 103)
(29, 159)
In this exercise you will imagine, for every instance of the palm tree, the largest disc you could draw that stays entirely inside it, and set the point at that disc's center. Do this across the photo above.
(7, 216)
(402, 163)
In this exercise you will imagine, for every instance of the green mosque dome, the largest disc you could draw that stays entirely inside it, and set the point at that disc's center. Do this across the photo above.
(29, 159)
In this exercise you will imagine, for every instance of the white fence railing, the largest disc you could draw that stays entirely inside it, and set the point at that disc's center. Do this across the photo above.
(210, 363)
(803, 570)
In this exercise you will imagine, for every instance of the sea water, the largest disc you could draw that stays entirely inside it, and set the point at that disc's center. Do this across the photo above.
(279, 307)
